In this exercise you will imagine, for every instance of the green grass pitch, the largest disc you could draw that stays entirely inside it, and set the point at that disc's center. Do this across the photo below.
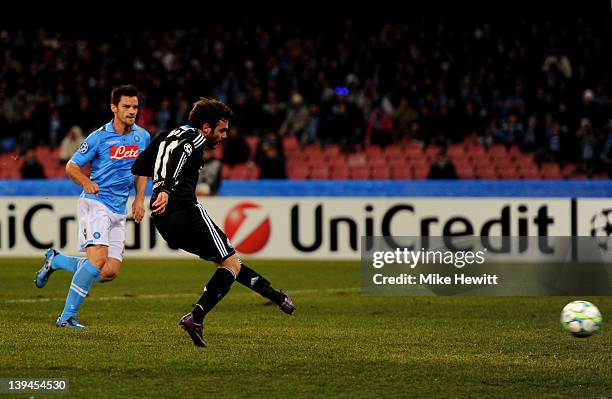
(337, 343)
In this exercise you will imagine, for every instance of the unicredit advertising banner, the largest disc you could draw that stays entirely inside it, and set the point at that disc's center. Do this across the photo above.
(314, 228)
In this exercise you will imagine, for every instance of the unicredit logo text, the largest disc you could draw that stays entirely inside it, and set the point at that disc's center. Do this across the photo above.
(124, 152)
(247, 226)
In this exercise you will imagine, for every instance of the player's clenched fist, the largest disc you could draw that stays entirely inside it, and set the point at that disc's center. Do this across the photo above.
(91, 187)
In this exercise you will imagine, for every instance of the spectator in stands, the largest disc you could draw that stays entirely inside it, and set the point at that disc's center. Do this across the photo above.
(606, 153)
(586, 141)
(512, 131)
(529, 142)
(55, 126)
(31, 168)
(210, 175)
(163, 117)
(499, 68)
(403, 116)
(442, 168)
(311, 131)
(555, 140)
(236, 150)
(271, 162)
(70, 143)
(380, 127)
(297, 117)
(273, 112)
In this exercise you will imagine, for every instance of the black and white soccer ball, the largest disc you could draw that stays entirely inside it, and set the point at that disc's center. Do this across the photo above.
(601, 228)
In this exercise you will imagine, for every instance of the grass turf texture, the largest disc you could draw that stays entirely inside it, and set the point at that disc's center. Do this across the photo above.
(337, 342)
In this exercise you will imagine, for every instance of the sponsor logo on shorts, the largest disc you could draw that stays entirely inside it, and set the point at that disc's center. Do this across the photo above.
(97, 235)
(124, 152)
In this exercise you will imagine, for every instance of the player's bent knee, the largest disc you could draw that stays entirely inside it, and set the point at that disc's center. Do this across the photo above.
(110, 275)
(232, 263)
(98, 262)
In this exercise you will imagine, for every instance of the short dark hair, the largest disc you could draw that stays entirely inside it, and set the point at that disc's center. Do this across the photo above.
(125, 90)
(209, 110)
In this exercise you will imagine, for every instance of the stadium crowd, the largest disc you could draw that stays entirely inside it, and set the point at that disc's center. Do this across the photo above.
(541, 86)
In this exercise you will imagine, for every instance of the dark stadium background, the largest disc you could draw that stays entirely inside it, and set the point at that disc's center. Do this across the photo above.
(507, 96)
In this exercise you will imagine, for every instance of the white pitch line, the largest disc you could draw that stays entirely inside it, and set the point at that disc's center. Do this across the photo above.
(161, 296)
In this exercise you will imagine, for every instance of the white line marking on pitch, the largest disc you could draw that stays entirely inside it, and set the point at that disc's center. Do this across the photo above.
(158, 296)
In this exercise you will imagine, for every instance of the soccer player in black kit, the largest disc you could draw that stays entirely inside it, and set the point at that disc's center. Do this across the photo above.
(173, 159)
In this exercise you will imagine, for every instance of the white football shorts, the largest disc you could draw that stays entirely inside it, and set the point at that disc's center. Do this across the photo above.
(98, 225)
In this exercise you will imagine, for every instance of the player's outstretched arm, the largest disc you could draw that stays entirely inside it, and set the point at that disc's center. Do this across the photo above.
(76, 175)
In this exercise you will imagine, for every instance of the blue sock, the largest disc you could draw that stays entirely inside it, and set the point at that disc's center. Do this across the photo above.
(79, 287)
(68, 263)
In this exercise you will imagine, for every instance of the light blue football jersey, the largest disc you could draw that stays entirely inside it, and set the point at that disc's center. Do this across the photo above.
(111, 156)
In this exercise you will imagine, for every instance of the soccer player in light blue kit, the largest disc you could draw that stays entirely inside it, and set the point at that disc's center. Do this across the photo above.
(101, 210)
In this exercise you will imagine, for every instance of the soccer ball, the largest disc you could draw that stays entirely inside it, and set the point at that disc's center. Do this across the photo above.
(581, 318)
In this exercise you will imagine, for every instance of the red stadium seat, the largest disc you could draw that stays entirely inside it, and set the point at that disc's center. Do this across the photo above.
(340, 173)
(530, 173)
(508, 173)
(413, 152)
(568, 170)
(432, 151)
(394, 151)
(332, 150)
(311, 150)
(380, 173)
(399, 164)
(374, 151)
(420, 171)
(477, 151)
(401, 173)
(316, 158)
(481, 163)
(379, 163)
(319, 173)
(360, 173)
(239, 172)
(290, 143)
(337, 161)
(486, 173)
(551, 170)
(498, 150)
(254, 172)
(461, 163)
(357, 159)
(226, 171)
(55, 152)
(297, 156)
(299, 173)
(455, 150)
(465, 172)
